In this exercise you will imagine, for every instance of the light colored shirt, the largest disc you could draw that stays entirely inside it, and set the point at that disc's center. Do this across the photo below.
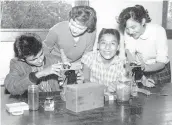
(152, 44)
(60, 37)
(100, 73)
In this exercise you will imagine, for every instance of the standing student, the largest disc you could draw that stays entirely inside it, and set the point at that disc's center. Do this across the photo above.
(76, 36)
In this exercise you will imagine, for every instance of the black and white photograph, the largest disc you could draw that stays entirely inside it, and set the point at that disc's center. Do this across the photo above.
(86, 62)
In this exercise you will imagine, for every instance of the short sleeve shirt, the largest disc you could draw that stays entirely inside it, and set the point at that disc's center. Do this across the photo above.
(100, 73)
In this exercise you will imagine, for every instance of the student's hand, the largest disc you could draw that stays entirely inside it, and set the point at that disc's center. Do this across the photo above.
(148, 82)
(80, 76)
(130, 56)
(45, 87)
(53, 69)
(142, 63)
(112, 87)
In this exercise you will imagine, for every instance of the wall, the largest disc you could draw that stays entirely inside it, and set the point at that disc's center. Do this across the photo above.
(6, 53)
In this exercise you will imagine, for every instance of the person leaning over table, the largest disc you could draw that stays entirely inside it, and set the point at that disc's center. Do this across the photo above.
(145, 44)
(30, 66)
(104, 66)
(76, 36)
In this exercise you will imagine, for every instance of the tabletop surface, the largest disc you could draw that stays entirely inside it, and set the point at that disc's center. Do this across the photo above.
(155, 109)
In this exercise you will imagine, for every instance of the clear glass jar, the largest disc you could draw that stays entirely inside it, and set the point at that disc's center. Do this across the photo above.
(49, 104)
(134, 90)
(123, 90)
(33, 97)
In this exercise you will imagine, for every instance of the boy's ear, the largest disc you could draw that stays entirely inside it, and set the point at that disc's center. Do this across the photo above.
(98, 47)
(118, 48)
(143, 21)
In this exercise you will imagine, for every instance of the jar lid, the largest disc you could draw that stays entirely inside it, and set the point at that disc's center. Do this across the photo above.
(49, 98)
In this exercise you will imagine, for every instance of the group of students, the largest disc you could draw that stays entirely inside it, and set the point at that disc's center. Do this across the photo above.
(37, 62)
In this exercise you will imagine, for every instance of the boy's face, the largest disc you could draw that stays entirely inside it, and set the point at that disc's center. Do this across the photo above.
(37, 60)
(108, 47)
(76, 28)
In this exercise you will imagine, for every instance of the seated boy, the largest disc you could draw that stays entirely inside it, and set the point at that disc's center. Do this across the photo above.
(105, 66)
(31, 66)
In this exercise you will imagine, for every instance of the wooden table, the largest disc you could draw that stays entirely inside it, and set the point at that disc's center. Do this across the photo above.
(155, 109)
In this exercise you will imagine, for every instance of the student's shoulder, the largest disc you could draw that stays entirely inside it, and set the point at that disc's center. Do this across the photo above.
(91, 54)
(89, 58)
(155, 27)
(16, 63)
(91, 34)
(119, 59)
(60, 25)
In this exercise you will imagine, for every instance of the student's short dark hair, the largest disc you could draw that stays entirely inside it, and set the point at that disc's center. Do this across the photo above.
(137, 12)
(113, 32)
(86, 15)
(27, 45)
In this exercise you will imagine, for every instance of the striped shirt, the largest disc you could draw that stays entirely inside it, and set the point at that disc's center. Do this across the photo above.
(100, 73)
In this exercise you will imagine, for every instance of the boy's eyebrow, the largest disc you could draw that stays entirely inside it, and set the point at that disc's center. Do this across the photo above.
(39, 56)
(130, 27)
(109, 41)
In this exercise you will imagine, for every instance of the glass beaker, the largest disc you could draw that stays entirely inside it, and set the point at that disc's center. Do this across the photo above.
(33, 97)
(123, 90)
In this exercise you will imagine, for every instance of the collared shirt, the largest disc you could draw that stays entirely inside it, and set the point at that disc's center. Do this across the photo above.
(152, 44)
(100, 73)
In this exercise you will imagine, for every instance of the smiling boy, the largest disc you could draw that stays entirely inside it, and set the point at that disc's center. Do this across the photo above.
(104, 66)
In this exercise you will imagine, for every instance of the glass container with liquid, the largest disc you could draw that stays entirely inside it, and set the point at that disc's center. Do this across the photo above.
(123, 90)
(33, 97)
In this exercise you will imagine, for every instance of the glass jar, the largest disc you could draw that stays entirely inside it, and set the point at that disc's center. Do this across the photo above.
(123, 90)
(49, 104)
(134, 90)
(33, 97)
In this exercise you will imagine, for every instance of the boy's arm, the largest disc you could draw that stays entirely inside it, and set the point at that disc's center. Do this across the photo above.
(17, 81)
(86, 73)
(87, 61)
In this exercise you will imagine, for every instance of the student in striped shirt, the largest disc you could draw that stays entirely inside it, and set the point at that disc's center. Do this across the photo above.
(104, 66)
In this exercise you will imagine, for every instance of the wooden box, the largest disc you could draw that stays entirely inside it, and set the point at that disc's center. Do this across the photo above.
(81, 97)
